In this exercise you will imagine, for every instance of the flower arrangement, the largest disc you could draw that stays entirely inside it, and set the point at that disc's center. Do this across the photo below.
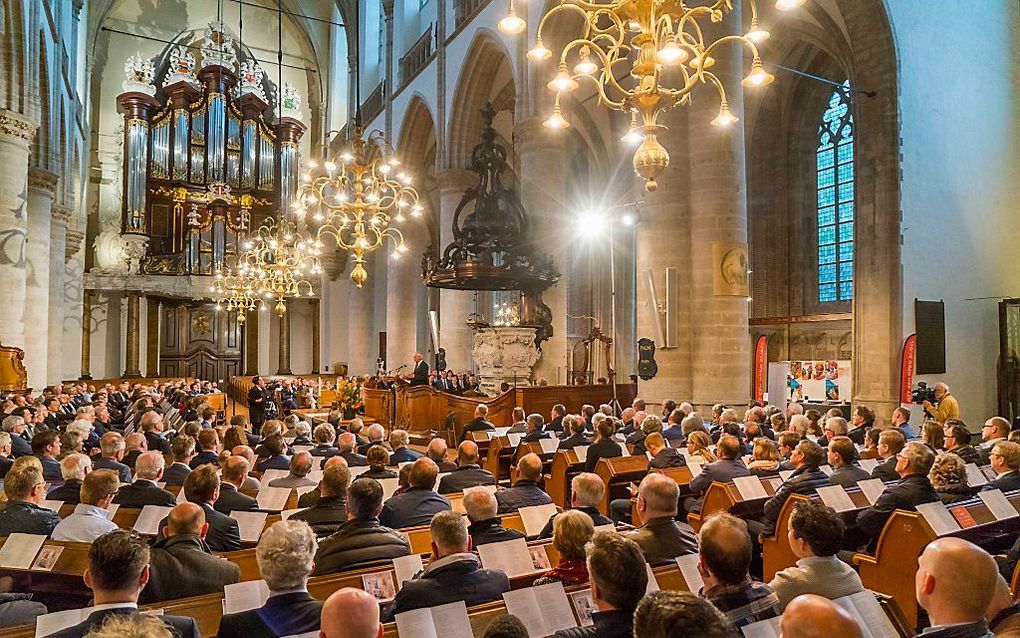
(348, 396)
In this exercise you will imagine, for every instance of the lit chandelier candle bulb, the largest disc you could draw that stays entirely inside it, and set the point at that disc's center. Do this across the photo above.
(512, 24)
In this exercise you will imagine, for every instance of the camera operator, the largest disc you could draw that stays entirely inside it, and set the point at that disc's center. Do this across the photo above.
(945, 406)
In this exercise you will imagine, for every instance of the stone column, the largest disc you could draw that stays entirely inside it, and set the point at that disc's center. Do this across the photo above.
(662, 235)
(316, 347)
(251, 343)
(543, 191)
(721, 343)
(42, 186)
(74, 291)
(58, 254)
(86, 336)
(151, 337)
(131, 367)
(284, 344)
(402, 284)
(16, 134)
(454, 305)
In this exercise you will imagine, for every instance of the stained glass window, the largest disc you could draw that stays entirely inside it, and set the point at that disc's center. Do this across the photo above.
(834, 169)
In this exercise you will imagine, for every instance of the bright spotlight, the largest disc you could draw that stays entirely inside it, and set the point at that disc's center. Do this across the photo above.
(591, 223)
(628, 219)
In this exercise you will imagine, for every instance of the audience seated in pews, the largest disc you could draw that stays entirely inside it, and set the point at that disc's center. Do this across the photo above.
(955, 584)
(73, 467)
(6, 456)
(673, 428)
(151, 424)
(723, 470)
(300, 466)
(677, 614)
(323, 437)
(525, 491)
(994, 430)
(901, 421)
(480, 421)
(765, 457)
(112, 448)
(698, 444)
(453, 573)
(913, 463)
(663, 457)
(375, 434)
(806, 479)
(485, 525)
(181, 564)
(419, 503)
(556, 415)
(311, 497)
(135, 444)
(15, 427)
(144, 491)
(586, 492)
(468, 473)
(576, 426)
(1004, 459)
(25, 488)
(91, 516)
(571, 532)
(378, 458)
(209, 444)
(948, 476)
(890, 444)
(724, 560)
(401, 452)
(605, 446)
(361, 541)
(330, 510)
(286, 556)
(660, 537)
(118, 571)
(517, 423)
(350, 613)
(811, 616)
(815, 536)
(202, 487)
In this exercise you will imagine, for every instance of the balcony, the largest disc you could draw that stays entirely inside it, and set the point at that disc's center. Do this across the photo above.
(417, 57)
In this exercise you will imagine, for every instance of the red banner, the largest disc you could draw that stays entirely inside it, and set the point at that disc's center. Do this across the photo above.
(760, 364)
(907, 368)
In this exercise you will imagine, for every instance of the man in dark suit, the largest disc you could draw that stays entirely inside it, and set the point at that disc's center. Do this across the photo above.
(486, 525)
(913, 463)
(420, 374)
(660, 537)
(46, 446)
(209, 444)
(845, 471)
(286, 556)
(257, 403)
(419, 502)
(25, 489)
(663, 457)
(235, 470)
(330, 510)
(806, 479)
(181, 563)
(724, 470)
(863, 419)
(479, 423)
(468, 472)
(437, 452)
(15, 426)
(346, 450)
(1005, 460)
(890, 443)
(525, 492)
(112, 446)
(401, 453)
(619, 579)
(202, 487)
(586, 493)
(323, 437)
(575, 428)
(151, 424)
(182, 450)
(556, 418)
(117, 573)
(275, 451)
(74, 467)
(534, 429)
(454, 574)
(144, 491)
(604, 447)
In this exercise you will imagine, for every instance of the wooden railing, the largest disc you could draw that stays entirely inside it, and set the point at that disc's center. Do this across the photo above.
(373, 105)
(464, 10)
(418, 56)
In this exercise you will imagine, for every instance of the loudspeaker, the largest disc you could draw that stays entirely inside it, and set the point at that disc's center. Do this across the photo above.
(930, 326)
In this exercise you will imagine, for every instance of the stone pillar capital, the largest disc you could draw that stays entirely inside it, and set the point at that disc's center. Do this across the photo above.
(17, 128)
(74, 241)
(456, 178)
(40, 179)
(61, 215)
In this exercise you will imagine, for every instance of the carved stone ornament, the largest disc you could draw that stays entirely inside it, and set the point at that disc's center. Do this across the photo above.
(43, 180)
(504, 353)
(110, 249)
(250, 80)
(134, 251)
(290, 103)
(218, 48)
(181, 68)
(17, 126)
(138, 72)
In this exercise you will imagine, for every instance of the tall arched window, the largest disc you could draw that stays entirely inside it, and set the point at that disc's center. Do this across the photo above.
(835, 185)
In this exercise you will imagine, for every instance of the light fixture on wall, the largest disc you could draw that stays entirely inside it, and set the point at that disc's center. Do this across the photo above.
(660, 44)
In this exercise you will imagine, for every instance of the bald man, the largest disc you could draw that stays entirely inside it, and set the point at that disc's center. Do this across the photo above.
(350, 613)
(660, 537)
(235, 470)
(468, 472)
(181, 565)
(955, 605)
(525, 492)
(811, 616)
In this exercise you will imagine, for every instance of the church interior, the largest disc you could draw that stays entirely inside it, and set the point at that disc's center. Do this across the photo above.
(720, 286)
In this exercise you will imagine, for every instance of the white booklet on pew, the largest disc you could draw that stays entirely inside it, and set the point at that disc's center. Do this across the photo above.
(623, 448)
(52, 623)
(534, 517)
(975, 478)
(405, 567)
(389, 486)
(446, 621)
(582, 453)
(695, 468)
(250, 524)
(250, 594)
(544, 610)
(750, 487)
(510, 557)
(54, 505)
(285, 514)
(19, 550)
(112, 510)
(514, 438)
(149, 518)
(868, 465)
(653, 582)
(997, 504)
(273, 499)
(689, 570)
(762, 629)
(868, 613)
(872, 489)
(549, 445)
(836, 497)
(939, 518)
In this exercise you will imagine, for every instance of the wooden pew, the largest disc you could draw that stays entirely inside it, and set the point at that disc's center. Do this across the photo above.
(498, 457)
(682, 475)
(616, 473)
(525, 449)
(564, 467)
(724, 497)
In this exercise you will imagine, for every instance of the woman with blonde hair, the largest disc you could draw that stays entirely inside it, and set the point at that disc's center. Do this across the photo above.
(697, 446)
(933, 436)
(765, 457)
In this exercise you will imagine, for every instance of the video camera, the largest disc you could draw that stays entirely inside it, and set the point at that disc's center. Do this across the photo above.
(922, 393)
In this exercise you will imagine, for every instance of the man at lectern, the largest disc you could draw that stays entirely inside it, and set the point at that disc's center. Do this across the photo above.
(421, 370)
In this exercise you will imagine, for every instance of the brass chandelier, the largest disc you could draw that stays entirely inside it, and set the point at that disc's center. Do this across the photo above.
(356, 197)
(659, 43)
